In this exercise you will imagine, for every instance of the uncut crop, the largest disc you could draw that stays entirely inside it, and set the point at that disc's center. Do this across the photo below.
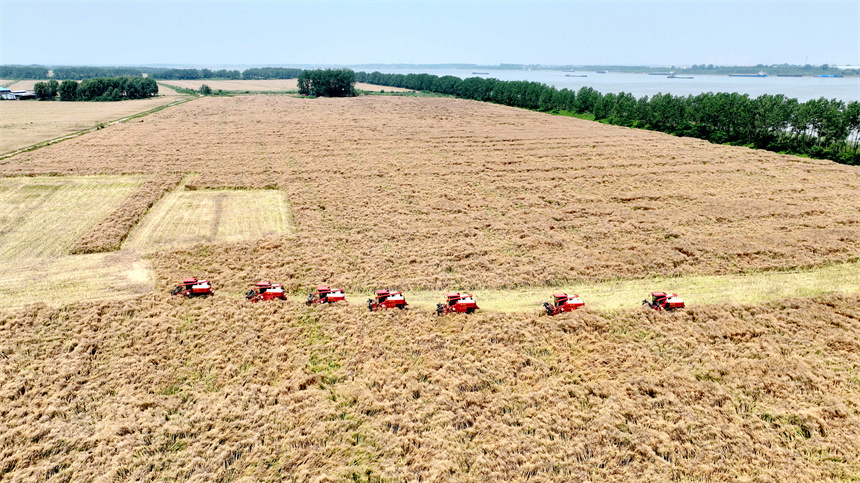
(439, 193)
(447, 194)
(221, 389)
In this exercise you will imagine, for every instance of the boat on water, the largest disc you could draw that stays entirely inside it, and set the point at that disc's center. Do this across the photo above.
(602, 71)
(480, 73)
(789, 75)
(673, 76)
(575, 75)
(829, 75)
(760, 74)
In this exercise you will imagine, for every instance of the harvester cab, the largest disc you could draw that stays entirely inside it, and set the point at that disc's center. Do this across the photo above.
(326, 295)
(664, 301)
(386, 299)
(456, 303)
(266, 291)
(191, 287)
(563, 303)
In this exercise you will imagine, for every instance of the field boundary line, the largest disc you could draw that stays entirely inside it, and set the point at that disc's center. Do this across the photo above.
(98, 126)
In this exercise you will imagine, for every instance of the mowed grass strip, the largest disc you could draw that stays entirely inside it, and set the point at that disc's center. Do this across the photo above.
(752, 288)
(43, 216)
(185, 217)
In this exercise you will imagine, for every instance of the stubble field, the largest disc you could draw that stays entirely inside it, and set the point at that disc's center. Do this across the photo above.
(23, 123)
(437, 194)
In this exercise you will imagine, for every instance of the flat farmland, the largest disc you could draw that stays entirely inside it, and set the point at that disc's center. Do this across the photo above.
(43, 216)
(266, 85)
(442, 193)
(757, 380)
(40, 218)
(23, 123)
(189, 217)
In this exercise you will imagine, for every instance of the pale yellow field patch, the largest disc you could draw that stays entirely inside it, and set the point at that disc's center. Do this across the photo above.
(23, 123)
(73, 278)
(186, 217)
(752, 288)
(42, 216)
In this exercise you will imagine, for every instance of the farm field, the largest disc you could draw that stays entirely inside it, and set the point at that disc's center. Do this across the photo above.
(40, 218)
(266, 85)
(23, 123)
(190, 217)
(757, 380)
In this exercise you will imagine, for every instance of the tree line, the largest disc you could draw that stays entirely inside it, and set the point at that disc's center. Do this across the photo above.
(327, 83)
(819, 128)
(97, 89)
(84, 72)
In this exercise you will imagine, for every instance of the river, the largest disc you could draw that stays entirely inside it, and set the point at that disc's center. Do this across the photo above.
(800, 88)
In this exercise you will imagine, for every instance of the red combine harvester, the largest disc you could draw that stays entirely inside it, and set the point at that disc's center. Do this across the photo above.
(456, 303)
(326, 295)
(563, 303)
(191, 287)
(386, 299)
(266, 291)
(664, 301)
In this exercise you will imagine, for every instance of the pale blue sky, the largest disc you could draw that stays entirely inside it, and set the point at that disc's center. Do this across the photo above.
(206, 33)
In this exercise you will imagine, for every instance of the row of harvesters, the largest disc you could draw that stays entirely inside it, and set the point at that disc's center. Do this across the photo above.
(455, 302)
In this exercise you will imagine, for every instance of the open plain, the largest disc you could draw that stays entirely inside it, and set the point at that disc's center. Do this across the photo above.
(266, 85)
(23, 123)
(432, 194)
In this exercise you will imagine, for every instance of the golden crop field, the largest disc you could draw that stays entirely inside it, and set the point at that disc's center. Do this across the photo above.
(23, 123)
(40, 219)
(757, 380)
(266, 85)
(189, 217)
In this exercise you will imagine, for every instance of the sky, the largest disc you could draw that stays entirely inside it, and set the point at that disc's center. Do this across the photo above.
(247, 33)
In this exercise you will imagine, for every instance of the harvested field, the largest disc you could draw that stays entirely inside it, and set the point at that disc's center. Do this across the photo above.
(444, 193)
(40, 220)
(23, 123)
(110, 232)
(433, 194)
(749, 288)
(222, 390)
(63, 280)
(267, 85)
(43, 216)
(24, 85)
(190, 217)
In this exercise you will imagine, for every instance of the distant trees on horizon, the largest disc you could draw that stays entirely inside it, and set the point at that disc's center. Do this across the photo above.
(819, 128)
(327, 83)
(97, 89)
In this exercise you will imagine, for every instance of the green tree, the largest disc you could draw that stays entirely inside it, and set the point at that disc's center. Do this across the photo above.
(205, 90)
(42, 91)
(53, 88)
(68, 90)
(327, 83)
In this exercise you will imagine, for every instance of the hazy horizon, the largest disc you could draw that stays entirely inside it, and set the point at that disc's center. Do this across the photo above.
(252, 33)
